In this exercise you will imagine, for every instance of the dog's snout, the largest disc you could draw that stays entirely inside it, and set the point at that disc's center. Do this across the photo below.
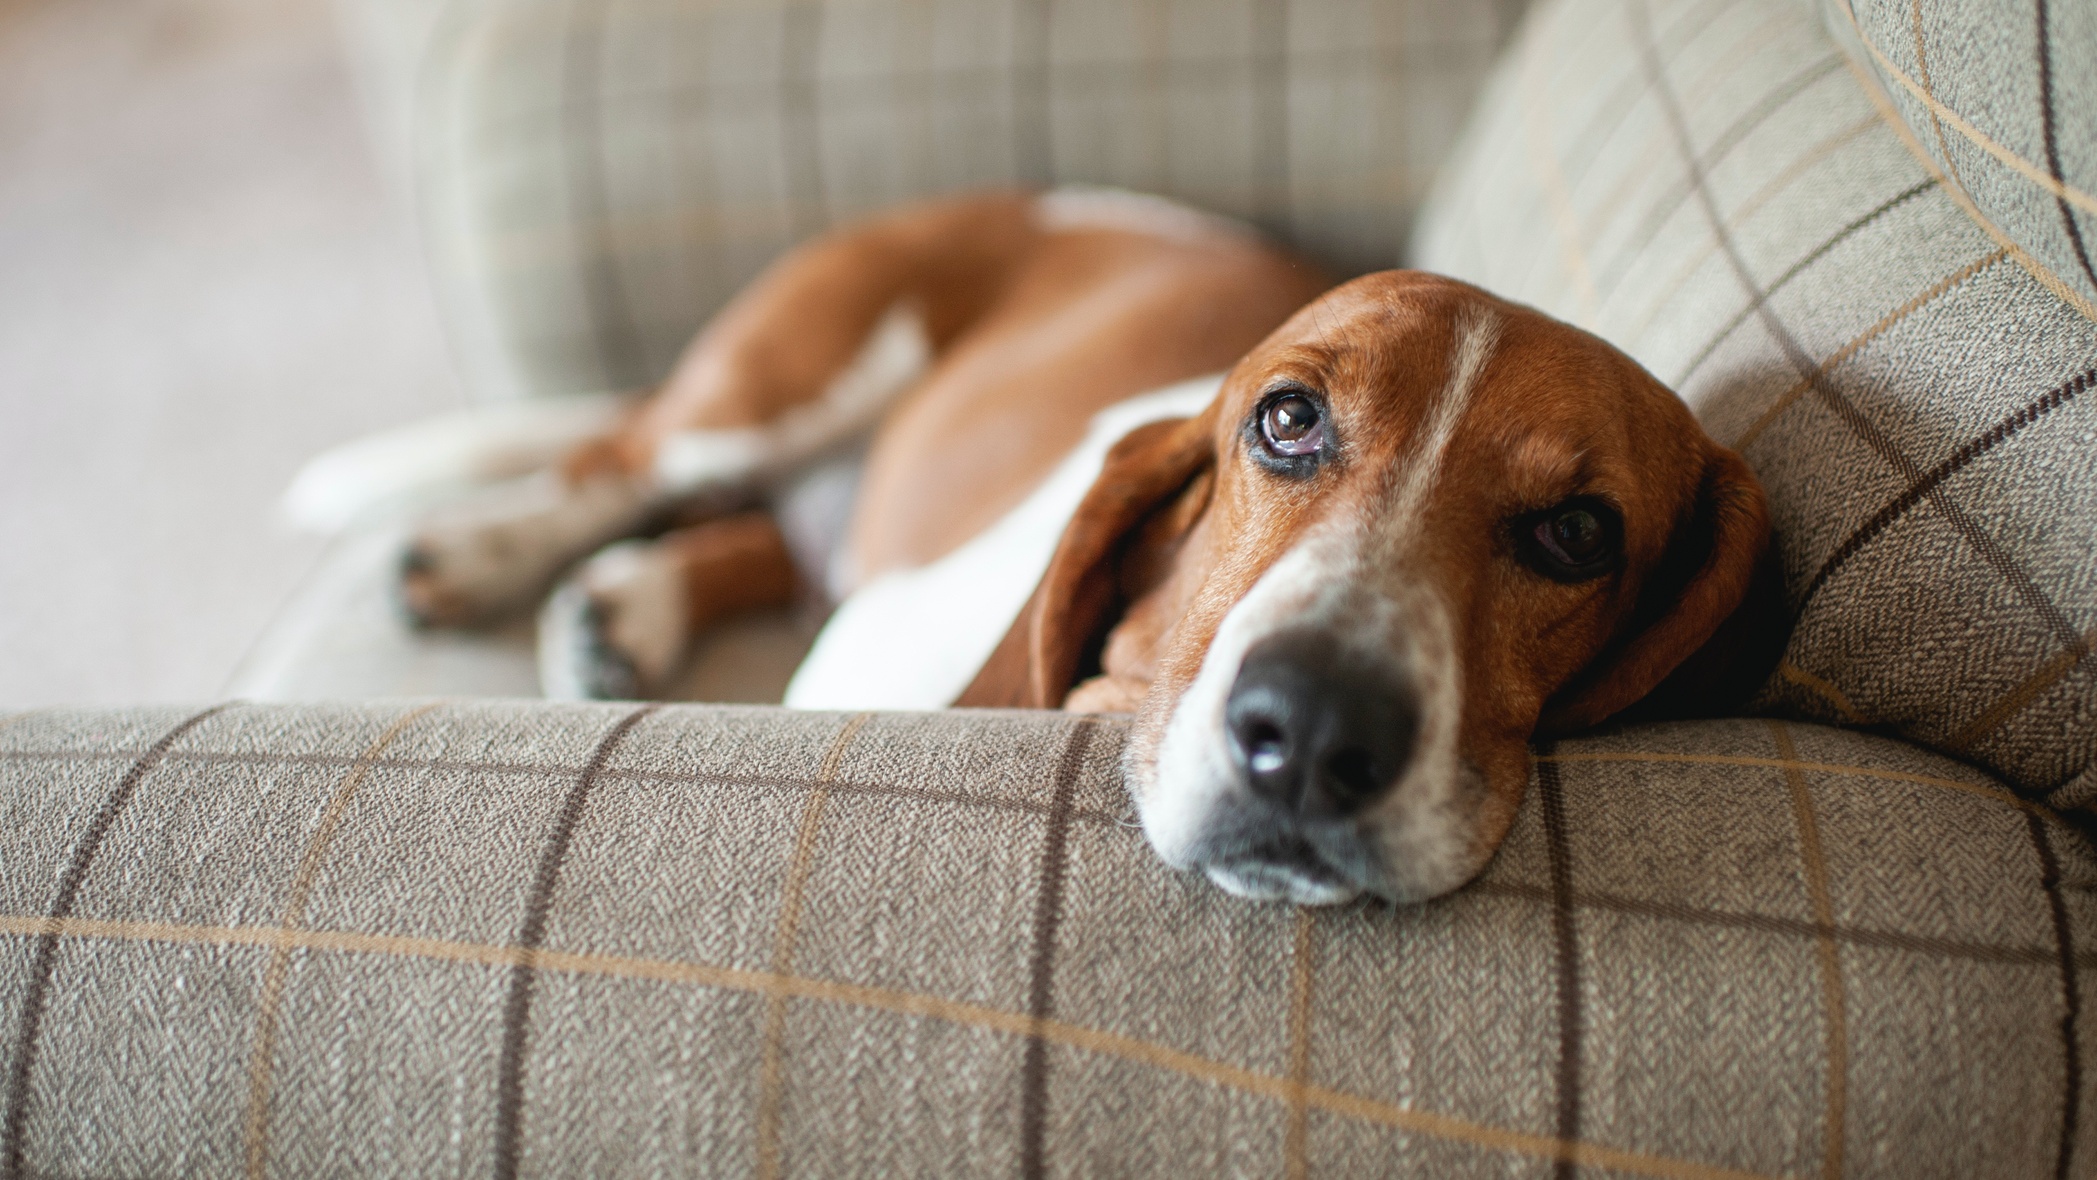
(1318, 729)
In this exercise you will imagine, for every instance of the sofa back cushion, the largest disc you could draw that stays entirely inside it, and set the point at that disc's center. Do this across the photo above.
(597, 178)
(2002, 96)
(1714, 186)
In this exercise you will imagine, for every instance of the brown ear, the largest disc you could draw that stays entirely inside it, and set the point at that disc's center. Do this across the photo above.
(1716, 611)
(1037, 663)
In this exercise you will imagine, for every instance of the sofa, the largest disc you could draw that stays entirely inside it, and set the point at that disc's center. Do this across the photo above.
(424, 929)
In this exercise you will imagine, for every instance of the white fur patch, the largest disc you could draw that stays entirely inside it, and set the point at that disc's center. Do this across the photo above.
(1078, 207)
(914, 639)
(379, 472)
(501, 544)
(621, 616)
(894, 356)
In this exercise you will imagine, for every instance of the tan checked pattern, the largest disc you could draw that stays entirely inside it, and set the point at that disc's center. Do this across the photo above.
(598, 177)
(531, 939)
(1716, 187)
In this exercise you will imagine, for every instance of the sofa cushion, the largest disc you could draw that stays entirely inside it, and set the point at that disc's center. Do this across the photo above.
(598, 177)
(2002, 96)
(1713, 186)
(459, 937)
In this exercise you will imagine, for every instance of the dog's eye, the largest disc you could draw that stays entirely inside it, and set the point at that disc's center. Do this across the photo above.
(1572, 542)
(1291, 425)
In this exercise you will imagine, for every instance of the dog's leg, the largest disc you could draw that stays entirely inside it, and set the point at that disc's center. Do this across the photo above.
(620, 626)
(496, 550)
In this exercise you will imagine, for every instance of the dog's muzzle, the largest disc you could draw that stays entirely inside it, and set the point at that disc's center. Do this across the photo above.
(1318, 734)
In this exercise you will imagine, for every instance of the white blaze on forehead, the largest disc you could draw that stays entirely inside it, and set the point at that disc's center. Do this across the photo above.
(1477, 335)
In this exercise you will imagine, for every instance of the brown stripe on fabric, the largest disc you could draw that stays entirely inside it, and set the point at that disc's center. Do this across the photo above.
(262, 1058)
(1870, 939)
(2071, 1000)
(1972, 134)
(583, 141)
(2032, 266)
(2014, 701)
(1884, 324)
(1296, 1155)
(1814, 860)
(1956, 462)
(1763, 295)
(622, 774)
(1408, 1119)
(1769, 104)
(1792, 673)
(2053, 148)
(1741, 214)
(1922, 64)
(1041, 959)
(1898, 776)
(771, 1080)
(516, 1011)
(1609, 115)
(801, 141)
(2012, 572)
(1565, 938)
(1033, 134)
(22, 1059)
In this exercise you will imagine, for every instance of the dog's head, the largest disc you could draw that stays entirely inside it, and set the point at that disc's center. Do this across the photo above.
(1417, 526)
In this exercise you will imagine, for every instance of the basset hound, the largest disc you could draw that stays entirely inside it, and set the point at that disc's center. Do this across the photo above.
(1343, 551)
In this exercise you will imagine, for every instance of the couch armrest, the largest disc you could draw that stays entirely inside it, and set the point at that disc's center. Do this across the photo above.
(452, 936)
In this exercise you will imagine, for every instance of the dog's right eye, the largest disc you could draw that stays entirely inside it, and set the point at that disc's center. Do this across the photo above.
(1292, 425)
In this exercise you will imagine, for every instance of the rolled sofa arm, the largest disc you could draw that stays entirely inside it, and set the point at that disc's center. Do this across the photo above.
(418, 937)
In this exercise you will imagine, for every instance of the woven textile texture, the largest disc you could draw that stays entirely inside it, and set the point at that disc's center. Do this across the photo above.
(599, 177)
(2002, 95)
(1713, 186)
(529, 938)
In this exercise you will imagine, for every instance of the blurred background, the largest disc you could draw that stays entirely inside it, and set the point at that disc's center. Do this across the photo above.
(205, 277)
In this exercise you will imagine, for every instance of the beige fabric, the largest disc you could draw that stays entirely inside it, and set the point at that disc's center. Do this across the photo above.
(2002, 95)
(399, 938)
(598, 177)
(1713, 186)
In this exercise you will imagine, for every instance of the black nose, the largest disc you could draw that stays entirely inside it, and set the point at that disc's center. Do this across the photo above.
(1316, 728)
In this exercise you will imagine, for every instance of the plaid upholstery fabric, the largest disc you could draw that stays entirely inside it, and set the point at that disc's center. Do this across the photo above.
(598, 177)
(2002, 94)
(584, 940)
(1713, 186)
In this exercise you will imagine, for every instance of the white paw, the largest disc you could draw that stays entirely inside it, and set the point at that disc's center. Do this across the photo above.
(617, 628)
(495, 551)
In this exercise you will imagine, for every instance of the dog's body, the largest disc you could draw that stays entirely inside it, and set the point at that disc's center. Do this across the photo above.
(1341, 583)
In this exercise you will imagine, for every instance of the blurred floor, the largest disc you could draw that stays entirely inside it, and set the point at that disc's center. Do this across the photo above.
(201, 283)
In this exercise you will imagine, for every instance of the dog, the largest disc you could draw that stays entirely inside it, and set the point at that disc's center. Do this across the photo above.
(1369, 542)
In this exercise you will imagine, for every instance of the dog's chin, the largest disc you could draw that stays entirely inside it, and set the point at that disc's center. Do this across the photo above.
(1266, 880)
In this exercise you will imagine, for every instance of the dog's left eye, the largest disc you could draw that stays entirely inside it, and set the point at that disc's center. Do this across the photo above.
(1292, 425)
(1571, 542)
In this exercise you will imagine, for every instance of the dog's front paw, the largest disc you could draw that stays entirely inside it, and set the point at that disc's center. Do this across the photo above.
(618, 628)
(481, 557)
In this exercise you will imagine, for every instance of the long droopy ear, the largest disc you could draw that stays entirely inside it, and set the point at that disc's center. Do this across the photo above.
(1715, 607)
(1037, 663)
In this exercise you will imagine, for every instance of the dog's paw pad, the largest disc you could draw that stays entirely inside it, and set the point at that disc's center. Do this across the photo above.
(616, 629)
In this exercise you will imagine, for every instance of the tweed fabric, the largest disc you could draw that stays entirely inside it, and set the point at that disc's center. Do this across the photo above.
(2002, 94)
(537, 939)
(1715, 188)
(599, 177)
